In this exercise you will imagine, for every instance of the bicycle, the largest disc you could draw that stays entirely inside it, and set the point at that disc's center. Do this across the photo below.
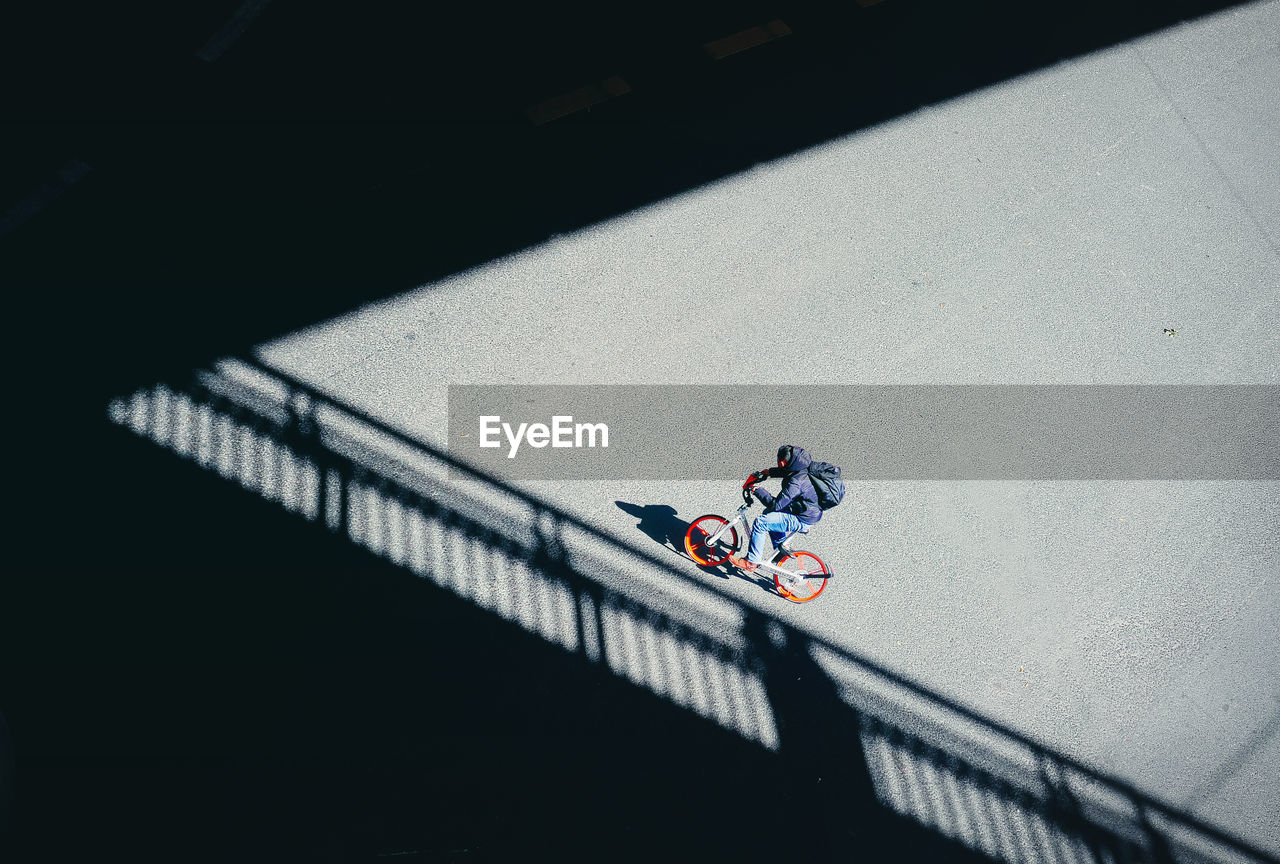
(798, 575)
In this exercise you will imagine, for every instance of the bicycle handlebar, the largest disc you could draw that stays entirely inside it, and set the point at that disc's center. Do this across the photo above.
(750, 483)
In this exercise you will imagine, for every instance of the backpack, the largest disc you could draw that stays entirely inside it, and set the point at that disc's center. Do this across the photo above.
(828, 483)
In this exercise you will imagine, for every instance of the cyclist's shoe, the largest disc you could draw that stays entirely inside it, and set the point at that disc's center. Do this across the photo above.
(742, 564)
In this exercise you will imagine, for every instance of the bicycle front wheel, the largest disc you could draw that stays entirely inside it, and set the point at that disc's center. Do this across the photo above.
(806, 576)
(703, 529)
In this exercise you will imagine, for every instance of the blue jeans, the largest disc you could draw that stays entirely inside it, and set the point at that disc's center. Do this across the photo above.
(775, 526)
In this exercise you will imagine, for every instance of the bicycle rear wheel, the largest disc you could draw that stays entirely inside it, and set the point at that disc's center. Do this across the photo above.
(812, 573)
(700, 531)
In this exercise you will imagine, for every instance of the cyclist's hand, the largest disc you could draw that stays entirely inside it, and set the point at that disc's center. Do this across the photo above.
(759, 493)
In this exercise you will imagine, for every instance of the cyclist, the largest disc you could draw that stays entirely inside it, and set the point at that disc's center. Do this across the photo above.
(795, 509)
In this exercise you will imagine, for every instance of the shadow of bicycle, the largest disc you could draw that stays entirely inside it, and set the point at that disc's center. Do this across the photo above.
(660, 524)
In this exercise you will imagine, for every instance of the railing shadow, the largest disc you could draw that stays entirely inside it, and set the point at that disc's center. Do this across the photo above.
(866, 756)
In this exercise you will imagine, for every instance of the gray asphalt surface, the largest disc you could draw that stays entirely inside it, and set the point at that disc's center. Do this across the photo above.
(1046, 230)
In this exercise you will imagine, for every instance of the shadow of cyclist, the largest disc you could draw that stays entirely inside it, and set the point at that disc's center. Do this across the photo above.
(659, 523)
(826, 783)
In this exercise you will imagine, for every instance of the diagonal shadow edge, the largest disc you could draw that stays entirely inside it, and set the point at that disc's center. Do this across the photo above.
(292, 309)
(334, 483)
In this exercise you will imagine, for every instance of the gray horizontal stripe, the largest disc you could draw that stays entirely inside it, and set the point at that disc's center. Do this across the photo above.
(1049, 432)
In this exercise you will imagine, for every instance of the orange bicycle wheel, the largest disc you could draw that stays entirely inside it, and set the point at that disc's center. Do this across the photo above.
(701, 530)
(813, 575)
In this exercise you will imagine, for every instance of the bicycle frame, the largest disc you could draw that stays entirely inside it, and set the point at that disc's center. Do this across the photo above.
(740, 518)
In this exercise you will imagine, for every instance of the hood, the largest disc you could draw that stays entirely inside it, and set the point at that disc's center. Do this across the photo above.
(797, 458)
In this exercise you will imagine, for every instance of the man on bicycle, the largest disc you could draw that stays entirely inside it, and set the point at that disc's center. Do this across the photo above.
(795, 509)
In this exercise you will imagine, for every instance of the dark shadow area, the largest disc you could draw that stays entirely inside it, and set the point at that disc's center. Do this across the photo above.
(824, 776)
(333, 156)
(340, 656)
(6, 775)
(276, 693)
